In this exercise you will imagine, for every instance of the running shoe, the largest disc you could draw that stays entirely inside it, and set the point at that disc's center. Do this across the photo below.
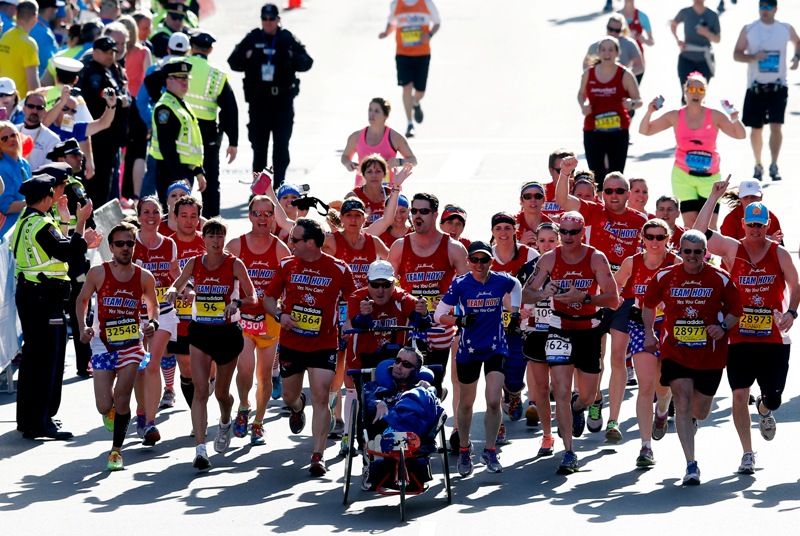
(773, 172)
(631, 377)
(201, 462)
(257, 434)
(454, 442)
(241, 421)
(613, 433)
(489, 458)
(151, 436)
(645, 458)
(609, 7)
(595, 421)
(660, 426)
(167, 399)
(108, 419)
(464, 465)
(569, 464)
(410, 131)
(317, 467)
(758, 172)
(721, 6)
(115, 461)
(277, 387)
(418, 115)
(223, 439)
(766, 423)
(141, 424)
(501, 436)
(547, 446)
(748, 465)
(338, 430)
(514, 407)
(578, 419)
(297, 419)
(692, 477)
(344, 446)
(531, 416)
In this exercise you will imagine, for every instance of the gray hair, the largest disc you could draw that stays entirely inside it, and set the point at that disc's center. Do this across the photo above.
(695, 237)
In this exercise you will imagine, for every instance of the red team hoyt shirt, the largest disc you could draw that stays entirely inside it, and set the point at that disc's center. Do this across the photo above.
(616, 235)
(261, 269)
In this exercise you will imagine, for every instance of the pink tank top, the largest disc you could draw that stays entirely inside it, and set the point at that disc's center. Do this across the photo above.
(384, 148)
(134, 67)
(697, 149)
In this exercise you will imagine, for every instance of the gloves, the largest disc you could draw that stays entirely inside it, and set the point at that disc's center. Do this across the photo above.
(513, 325)
(466, 321)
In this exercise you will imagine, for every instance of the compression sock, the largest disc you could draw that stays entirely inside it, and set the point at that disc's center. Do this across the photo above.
(121, 423)
(187, 388)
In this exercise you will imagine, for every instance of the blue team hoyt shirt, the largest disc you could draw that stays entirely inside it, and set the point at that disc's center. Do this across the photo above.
(486, 337)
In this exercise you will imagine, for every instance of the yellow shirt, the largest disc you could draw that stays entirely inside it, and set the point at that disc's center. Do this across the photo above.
(18, 51)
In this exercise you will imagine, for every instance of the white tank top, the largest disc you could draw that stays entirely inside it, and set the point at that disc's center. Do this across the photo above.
(772, 39)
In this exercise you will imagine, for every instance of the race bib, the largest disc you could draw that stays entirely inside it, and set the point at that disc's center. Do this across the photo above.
(342, 313)
(122, 332)
(607, 122)
(184, 309)
(659, 315)
(756, 322)
(698, 161)
(770, 64)
(557, 348)
(161, 293)
(411, 37)
(691, 333)
(540, 319)
(253, 327)
(267, 72)
(309, 320)
(210, 310)
(431, 295)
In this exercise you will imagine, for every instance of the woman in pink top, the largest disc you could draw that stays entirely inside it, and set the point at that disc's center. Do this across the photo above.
(696, 166)
(138, 57)
(377, 138)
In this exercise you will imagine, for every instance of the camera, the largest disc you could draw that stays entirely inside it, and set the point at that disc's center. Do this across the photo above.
(75, 91)
(305, 202)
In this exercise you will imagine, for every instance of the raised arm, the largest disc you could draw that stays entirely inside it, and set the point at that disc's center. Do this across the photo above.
(563, 197)
(718, 244)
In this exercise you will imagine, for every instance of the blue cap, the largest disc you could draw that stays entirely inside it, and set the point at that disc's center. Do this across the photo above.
(179, 185)
(287, 189)
(402, 201)
(756, 213)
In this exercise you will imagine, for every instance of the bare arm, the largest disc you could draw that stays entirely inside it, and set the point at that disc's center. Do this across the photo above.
(563, 197)
(632, 87)
(150, 301)
(396, 254)
(733, 127)
(32, 76)
(609, 296)
(400, 143)
(648, 126)
(381, 251)
(180, 283)
(586, 108)
(93, 280)
(350, 150)
(234, 247)
(533, 291)
(624, 272)
(246, 288)
(458, 256)
(329, 246)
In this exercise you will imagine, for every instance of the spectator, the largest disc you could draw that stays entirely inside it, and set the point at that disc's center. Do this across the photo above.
(9, 102)
(15, 170)
(44, 140)
(42, 33)
(8, 8)
(61, 119)
(19, 59)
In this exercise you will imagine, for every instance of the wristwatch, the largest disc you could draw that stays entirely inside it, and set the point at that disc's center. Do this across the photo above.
(278, 316)
(588, 299)
(238, 302)
(792, 312)
(724, 326)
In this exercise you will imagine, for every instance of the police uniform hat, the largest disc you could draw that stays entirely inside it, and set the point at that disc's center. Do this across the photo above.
(37, 187)
(69, 65)
(269, 10)
(177, 68)
(176, 8)
(202, 38)
(105, 43)
(60, 171)
(64, 148)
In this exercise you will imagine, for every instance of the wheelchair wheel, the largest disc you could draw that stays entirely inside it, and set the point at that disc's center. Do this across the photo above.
(351, 449)
(401, 477)
(445, 466)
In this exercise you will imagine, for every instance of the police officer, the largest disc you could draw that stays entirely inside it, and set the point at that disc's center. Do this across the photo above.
(176, 144)
(209, 91)
(41, 253)
(174, 21)
(269, 57)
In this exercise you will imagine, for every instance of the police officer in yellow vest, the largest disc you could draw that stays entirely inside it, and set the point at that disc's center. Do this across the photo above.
(41, 253)
(176, 142)
(175, 21)
(209, 93)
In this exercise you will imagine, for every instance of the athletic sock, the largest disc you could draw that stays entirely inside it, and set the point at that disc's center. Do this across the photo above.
(187, 388)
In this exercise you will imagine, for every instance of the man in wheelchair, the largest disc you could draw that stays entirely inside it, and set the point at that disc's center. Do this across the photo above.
(401, 399)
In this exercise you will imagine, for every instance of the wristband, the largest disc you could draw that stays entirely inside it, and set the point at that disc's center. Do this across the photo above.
(400, 161)
(172, 289)
(111, 107)
(238, 302)
(155, 323)
(278, 316)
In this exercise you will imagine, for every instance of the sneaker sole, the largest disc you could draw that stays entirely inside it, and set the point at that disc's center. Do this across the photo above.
(746, 471)
(545, 452)
(201, 464)
(691, 482)
(645, 462)
(151, 441)
(564, 470)
(613, 439)
(317, 471)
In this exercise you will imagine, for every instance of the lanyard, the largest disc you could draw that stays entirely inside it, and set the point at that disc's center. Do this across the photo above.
(272, 47)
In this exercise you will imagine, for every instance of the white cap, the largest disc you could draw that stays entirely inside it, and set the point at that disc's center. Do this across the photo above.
(750, 188)
(178, 42)
(70, 65)
(7, 86)
(380, 270)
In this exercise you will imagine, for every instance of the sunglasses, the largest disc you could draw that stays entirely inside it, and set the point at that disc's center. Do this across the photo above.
(34, 106)
(68, 109)
(123, 243)
(6, 94)
(571, 232)
(269, 19)
(423, 211)
(294, 240)
(614, 30)
(5, 138)
(556, 169)
(688, 251)
(376, 284)
(698, 90)
(766, 7)
(618, 191)
(259, 213)
(404, 363)
(177, 16)
(755, 225)
(659, 237)
(528, 197)
(480, 260)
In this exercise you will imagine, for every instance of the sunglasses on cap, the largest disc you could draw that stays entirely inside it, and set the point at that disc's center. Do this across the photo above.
(423, 211)
(259, 213)
(614, 30)
(610, 191)
(404, 363)
(688, 251)
(480, 260)
(123, 243)
(755, 225)
(659, 237)
(34, 106)
(528, 197)
(453, 208)
(570, 232)
(378, 284)
(698, 90)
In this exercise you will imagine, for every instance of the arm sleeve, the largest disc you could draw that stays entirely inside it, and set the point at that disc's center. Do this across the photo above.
(229, 114)
(441, 309)
(145, 106)
(516, 293)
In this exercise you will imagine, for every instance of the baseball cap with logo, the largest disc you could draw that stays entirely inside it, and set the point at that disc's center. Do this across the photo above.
(380, 269)
(353, 204)
(750, 188)
(756, 213)
(105, 43)
(7, 86)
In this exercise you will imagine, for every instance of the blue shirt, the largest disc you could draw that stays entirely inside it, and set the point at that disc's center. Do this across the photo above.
(487, 336)
(46, 40)
(8, 23)
(14, 173)
(78, 131)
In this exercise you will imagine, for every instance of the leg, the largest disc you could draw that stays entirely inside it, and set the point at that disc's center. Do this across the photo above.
(103, 382)
(244, 372)
(682, 394)
(200, 366)
(775, 141)
(741, 417)
(266, 357)
(454, 379)
(320, 381)
(408, 100)
(222, 390)
(646, 366)
(282, 132)
(211, 144)
(258, 131)
(562, 388)
(493, 415)
(595, 154)
(336, 386)
(126, 376)
(152, 374)
(466, 401)
(541, 373)
(757, 142)
(185, 371)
